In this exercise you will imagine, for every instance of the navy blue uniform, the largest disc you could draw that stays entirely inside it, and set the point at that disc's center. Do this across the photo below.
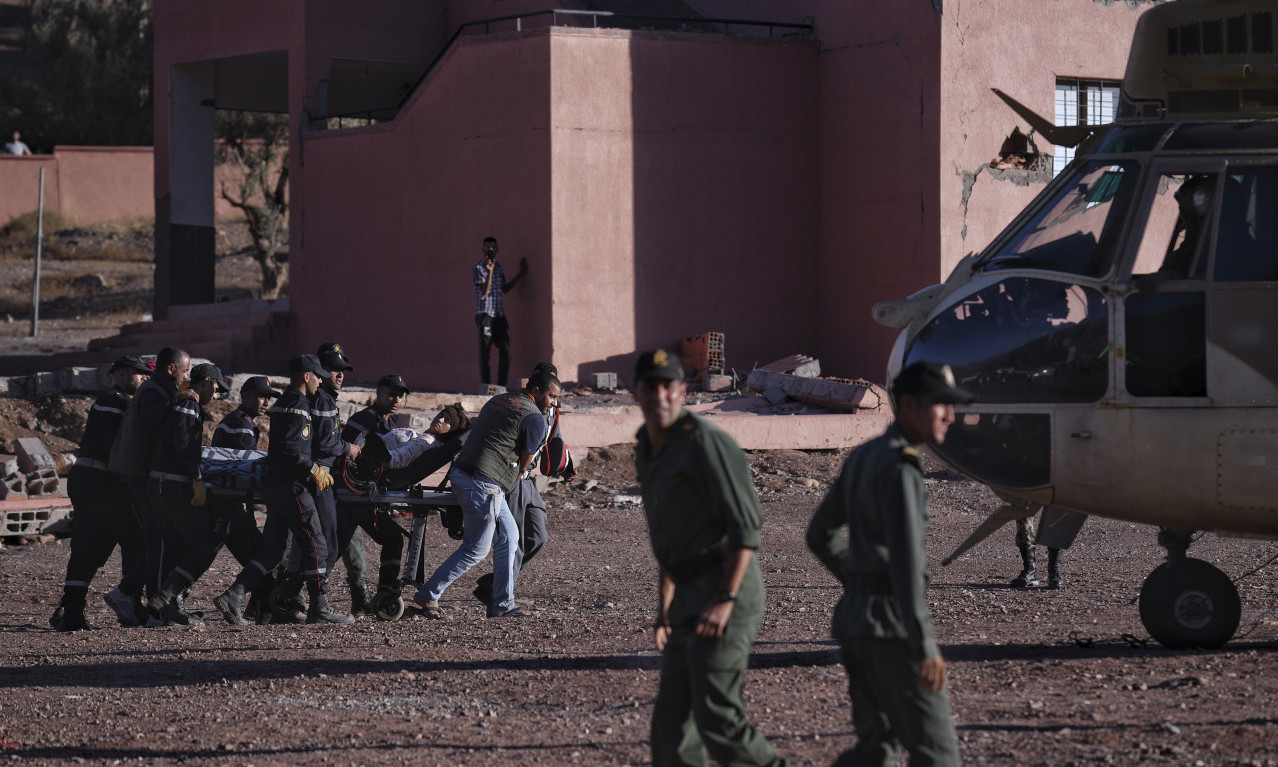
(174, 470)
(236, 525)
(104, 514)
(290, 499)
(327, 448)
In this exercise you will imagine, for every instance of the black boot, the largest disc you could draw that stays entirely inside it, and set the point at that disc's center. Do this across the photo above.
(1054, 577)
(361, 600)
(284, 603)
(1029, 571)
(228, 603)
(72, 608)
(168, 602)
(319, 611)
(175, 614)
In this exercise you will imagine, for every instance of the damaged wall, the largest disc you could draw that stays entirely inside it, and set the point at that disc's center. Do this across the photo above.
(1053, 38)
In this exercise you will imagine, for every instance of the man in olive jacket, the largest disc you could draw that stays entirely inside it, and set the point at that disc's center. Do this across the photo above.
(896, 675)
(703, 521)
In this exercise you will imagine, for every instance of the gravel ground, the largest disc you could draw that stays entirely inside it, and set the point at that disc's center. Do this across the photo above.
(1038, 677)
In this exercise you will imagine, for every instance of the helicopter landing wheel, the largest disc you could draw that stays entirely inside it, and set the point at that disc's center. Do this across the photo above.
(1189, 604)
(388, 606)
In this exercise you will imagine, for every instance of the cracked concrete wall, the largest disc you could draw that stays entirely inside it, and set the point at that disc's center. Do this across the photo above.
(1020, 47)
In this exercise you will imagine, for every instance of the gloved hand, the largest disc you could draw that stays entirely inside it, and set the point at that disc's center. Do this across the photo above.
(323, 479)
(199, 493)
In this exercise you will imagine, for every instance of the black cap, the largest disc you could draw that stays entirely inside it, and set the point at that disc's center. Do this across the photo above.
(306, 363)
(134, 363)
(658, 364)
(392, 381)
(931, 379)
(332, 357)
(259, 385)
(209, 370)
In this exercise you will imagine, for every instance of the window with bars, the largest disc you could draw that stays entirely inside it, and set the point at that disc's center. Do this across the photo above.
(1082, 102)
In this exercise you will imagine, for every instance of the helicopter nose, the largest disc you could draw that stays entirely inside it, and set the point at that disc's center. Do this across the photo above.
(1019, 342)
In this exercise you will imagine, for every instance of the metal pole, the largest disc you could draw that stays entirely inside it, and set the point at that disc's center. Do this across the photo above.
(35, 283)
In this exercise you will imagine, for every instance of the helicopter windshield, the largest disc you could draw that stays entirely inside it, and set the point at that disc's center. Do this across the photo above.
(1075, 231)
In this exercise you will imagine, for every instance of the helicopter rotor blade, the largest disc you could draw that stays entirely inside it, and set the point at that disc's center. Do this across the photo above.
(1065, 135)
(1003, 515)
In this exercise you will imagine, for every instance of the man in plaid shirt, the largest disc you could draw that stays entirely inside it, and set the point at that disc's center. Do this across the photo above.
(490, 283)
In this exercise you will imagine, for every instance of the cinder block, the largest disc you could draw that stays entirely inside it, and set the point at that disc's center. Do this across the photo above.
(32, 455)
(42, 484)
(13, 487)
(489, 390)
(80, 379)
(8, 465)
(42, 385)
(606, 381)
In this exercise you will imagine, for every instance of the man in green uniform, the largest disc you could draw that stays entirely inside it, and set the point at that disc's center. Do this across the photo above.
(703, 519)
(896, 675)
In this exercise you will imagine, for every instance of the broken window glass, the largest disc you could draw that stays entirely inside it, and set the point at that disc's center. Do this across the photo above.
(1075, 231)
(1023, 340)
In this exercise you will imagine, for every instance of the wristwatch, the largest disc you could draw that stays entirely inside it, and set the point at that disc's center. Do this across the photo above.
(725, 596)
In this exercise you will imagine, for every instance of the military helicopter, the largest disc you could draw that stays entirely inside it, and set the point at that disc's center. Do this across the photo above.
(1121, 335)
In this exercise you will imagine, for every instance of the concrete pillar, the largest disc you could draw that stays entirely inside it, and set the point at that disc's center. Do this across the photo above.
(184, 234)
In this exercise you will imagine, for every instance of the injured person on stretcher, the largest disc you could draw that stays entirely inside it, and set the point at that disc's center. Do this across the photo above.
(405, 457)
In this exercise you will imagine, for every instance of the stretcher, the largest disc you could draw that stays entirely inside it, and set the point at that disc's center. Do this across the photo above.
(236, 475)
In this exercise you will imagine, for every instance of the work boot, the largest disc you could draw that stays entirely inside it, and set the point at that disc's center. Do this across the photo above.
(73, 619)
(123, 607)
(175, 614)
(361, 600)
(320, 612)
(484, 589)
(284, 600)
(1029, 571)
(56, 618)
(228, 603)
(1054, 577)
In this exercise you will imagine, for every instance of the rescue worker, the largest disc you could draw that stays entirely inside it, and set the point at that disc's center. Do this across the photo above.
(328, 449)
(507, 433)
(703, 522)
(180, 498)
(896, 675)
(525, 501)
(1025, 534)
(236, 523)
(378, 419)
(291, 480)
(104, 516)
(132, 451)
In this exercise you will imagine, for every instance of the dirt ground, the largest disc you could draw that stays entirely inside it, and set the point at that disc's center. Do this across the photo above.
(1038, 677)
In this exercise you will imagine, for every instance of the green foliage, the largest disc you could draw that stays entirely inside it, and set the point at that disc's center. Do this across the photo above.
(256, 145)
(91, 75)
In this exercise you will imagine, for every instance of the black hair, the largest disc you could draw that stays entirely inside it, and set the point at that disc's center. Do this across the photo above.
(169, 355)
(489, 239)
(542, 380)
(546, 367)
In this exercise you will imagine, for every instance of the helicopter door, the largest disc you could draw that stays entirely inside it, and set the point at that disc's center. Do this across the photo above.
(1165, 314)
(1243, 300)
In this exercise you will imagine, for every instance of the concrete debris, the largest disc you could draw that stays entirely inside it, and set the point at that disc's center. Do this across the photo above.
(33, 521)
(833, 393)
(800, 365)
(775, 395)
(716, 382)
(491, 390)
(606, 381)
(33, 455)
(634, 499)
(702, 354)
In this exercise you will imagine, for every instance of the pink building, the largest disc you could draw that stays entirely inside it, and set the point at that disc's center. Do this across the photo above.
(662, 178)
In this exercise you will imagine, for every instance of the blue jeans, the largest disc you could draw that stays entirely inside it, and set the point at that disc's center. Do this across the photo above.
(486, 513)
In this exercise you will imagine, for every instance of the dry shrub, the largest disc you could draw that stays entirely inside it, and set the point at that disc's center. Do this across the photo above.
(131, 239)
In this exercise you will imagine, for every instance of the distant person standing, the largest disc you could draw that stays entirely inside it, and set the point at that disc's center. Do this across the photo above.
(703, 522)
(896, 675)
(16, 147)
(490, 316)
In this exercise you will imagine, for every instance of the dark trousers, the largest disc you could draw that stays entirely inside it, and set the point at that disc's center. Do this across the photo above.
(381, 528)
(188, 531)
(104, 518)
(289, 508)
(235, 527)
(529, 511)
(157, 559)
(350, 548)
(891, 710)
(493, 331)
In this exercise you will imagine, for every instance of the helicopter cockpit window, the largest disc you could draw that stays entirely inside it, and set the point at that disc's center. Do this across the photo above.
(1074, 232)
(1247, 238)
(1023, 340)
(1174, 245)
